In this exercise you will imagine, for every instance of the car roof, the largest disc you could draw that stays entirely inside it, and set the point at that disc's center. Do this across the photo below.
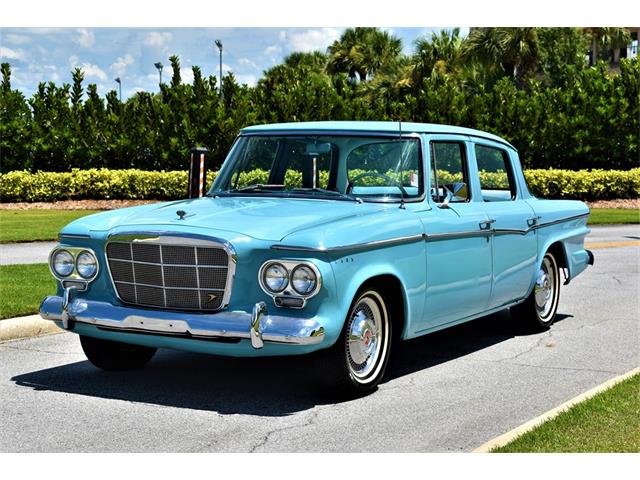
(368, 126)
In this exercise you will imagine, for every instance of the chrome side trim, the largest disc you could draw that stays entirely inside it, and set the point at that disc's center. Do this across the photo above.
(561, 220)
(354, 247)
(230, 325)
(72, 235)
(457, 235)
(178, 239)
(425, 237)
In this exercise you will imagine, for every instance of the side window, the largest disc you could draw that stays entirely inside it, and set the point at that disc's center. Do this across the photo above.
(496, 176)
(449, 172)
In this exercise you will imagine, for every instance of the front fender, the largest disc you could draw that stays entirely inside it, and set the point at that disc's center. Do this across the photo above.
(406, 263)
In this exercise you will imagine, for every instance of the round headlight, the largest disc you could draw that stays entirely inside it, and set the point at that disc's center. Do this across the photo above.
(303, 279)
(276, 277)
(62, 263)
(86, 265)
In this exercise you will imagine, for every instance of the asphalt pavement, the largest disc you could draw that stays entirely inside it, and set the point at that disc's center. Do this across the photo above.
(448, 391)
(21, 253)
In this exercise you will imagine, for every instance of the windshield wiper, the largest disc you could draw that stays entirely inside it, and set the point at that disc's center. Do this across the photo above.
(257, 187)
(327, 192)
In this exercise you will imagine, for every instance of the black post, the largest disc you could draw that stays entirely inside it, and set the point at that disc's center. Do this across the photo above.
(197, 172)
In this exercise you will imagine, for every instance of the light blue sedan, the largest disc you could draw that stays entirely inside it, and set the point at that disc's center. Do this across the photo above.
(338, 238)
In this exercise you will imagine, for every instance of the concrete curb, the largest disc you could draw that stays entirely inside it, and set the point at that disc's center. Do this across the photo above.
(22, 327)
(531, 424)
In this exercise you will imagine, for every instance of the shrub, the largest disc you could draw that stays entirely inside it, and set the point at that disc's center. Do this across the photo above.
(22, 186)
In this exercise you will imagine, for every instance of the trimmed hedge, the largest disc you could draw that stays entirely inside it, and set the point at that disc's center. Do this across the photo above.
(22, 186)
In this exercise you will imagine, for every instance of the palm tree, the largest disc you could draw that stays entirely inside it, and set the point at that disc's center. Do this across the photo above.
(609, 38)
(439, 54)
(513, 51)
(363, 51)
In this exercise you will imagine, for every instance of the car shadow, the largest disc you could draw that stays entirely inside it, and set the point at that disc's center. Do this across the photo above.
(269, 386)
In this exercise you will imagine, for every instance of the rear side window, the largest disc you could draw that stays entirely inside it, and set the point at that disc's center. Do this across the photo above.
(496, 175)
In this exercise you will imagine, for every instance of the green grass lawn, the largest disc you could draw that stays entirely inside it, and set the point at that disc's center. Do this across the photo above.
(35, 225)
(22, 288)
(614, 215)
(608, 422)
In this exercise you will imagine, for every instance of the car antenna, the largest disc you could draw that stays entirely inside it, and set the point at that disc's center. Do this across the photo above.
(400, 140)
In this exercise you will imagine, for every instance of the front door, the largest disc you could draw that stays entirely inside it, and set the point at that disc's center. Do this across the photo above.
(458, 239)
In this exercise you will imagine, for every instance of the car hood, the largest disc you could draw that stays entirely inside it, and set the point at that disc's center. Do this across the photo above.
(264, 218)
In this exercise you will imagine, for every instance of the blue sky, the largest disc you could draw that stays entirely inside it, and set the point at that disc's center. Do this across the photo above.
(49, 54)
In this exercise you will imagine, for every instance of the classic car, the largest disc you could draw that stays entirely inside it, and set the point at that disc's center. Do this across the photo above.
(338, 238)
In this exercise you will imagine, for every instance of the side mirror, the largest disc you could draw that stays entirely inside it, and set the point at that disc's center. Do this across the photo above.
(456, 192)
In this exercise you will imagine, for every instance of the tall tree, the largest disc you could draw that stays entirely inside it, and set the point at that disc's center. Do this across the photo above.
(363, 51)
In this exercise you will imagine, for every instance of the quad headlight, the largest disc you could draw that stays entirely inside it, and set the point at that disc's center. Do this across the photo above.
(62, 263)
(275, 277)
(86, 264)
(303, 279)
(291, 283)
(73, 264)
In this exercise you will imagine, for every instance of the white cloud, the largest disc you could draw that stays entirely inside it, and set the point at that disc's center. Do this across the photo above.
(86, 38)
(273, 52)
(157, 39)
(314, 39)
(121, 64)
(248, 63)
(186, 74)
(16, 39)
(250, 80)
(6, 52)
(89, 69)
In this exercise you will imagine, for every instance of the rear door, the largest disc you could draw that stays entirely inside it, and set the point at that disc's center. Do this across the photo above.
(514, 242)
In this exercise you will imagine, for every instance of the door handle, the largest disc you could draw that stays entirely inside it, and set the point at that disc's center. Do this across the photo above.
(486, 224)
(533, 221)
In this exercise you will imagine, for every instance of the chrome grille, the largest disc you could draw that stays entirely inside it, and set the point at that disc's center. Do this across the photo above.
(163, 274)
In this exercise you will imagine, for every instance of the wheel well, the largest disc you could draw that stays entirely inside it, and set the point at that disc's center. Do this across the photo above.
(390, 288)
(557, 250)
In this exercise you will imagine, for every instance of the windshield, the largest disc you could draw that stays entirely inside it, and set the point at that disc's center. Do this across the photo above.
(339, 167)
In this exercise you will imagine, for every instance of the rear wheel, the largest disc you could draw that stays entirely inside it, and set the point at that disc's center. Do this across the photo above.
(358, 360)
(109, 355)
(538, 311)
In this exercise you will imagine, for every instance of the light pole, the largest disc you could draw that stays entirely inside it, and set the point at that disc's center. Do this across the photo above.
(159, 67)
(219, 45)
(119, 82)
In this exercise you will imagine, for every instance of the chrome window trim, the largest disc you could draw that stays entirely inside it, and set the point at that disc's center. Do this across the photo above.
(176, 239)
(289, 291)
(425, 237)
(74, 275)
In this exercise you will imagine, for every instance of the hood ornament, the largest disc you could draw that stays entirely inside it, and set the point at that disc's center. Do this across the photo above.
(181, 214)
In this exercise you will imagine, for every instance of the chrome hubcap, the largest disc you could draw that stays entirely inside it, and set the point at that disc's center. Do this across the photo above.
(363, 341)
(544, 289)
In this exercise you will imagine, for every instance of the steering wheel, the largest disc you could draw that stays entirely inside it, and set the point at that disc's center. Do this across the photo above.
(387, 178)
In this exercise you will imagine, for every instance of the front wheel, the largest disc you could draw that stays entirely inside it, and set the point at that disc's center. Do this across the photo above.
(358, 360)
(109, 355)
(538, 311)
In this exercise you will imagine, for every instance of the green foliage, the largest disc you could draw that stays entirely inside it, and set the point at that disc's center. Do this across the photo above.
(21, 186)
(528, 85)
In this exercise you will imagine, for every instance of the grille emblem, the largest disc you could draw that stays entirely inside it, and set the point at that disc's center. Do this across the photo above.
(211, 297)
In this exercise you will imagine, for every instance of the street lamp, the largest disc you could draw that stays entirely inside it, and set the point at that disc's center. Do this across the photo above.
(159, 67)
(119, 82)
(219, 45)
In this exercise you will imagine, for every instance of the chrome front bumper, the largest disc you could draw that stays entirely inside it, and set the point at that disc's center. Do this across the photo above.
(258, 326)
